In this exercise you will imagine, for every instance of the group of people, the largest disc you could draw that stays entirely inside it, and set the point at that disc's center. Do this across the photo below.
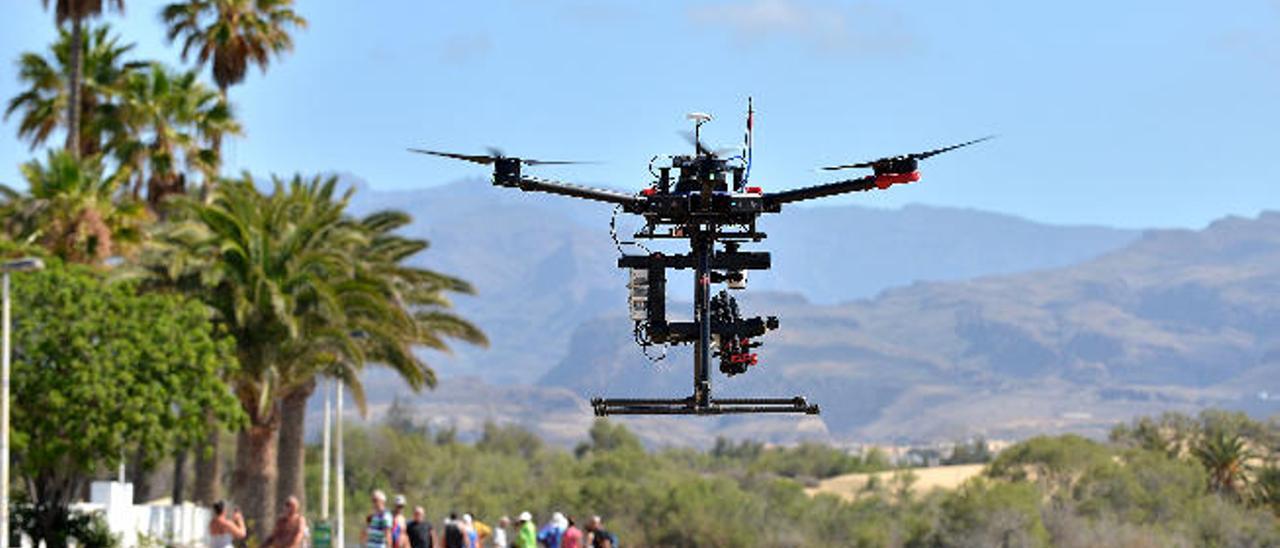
(227, 527)
(390, 528)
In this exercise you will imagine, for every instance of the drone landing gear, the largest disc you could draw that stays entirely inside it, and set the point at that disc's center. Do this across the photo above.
(687, 406)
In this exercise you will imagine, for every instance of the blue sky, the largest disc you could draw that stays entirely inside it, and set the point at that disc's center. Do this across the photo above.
(1131, 114)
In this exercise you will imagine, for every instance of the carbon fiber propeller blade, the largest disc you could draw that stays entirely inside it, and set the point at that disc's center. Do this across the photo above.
(916, 155)
(494, 154)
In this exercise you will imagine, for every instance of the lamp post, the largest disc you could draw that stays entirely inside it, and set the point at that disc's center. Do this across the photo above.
(340, 539)
(324, 476)
(20, 265)
(340, 494)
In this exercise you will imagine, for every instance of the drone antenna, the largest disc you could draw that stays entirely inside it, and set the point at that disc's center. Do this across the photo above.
(698, 118)
(751, 113)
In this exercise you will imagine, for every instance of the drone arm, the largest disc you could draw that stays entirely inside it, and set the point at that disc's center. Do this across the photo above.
(774, 201)
(533, 184)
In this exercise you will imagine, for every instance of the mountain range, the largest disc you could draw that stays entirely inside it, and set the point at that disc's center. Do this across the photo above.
(912, 324)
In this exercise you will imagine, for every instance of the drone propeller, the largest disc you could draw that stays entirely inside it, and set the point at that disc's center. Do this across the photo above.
(493, 156)
(702, 148)
(914, 156)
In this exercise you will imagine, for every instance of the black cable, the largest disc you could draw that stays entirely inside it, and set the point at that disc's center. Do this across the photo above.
(641, 338)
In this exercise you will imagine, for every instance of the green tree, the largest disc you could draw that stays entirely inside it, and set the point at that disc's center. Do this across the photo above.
(271, 277)
(984, 513)
(100, 370)
(1225, 456)
(606, 436)
(42, 105)
(74, 210)
(392, 305)
(1054, 461)
(306, 290)
(76, 12)
(229, 35)
(170, 121)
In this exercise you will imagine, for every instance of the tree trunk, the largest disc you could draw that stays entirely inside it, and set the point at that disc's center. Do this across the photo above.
(179, 475)
(291, 460)
(208, 488)
(73, 87)
(140, 477)
(53, 492)
(253, 483)
(211, 182)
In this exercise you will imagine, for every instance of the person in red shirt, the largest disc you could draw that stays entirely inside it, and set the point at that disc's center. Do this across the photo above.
(572, 536)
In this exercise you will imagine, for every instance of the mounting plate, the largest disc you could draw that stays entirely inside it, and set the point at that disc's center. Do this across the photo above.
(716, 406)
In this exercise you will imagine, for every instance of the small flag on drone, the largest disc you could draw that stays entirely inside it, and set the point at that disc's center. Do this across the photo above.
(746, 138)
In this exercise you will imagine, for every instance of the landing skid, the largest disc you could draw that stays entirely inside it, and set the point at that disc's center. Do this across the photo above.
(715, 406)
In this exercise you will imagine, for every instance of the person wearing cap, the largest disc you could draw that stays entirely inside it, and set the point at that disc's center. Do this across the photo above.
(527, 534)
(398, 524)
(377, 531)
(550, 534)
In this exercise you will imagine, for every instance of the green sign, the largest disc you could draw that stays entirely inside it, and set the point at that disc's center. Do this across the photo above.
(322, 535)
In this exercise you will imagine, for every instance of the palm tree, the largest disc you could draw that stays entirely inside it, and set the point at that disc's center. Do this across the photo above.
(44, 102)
(411, 308)
(74, 210)
(77, 12)
(1225, 456)
(1266, 490)
(274, 265)
(306, 291)
(169, 120)
(232, 34)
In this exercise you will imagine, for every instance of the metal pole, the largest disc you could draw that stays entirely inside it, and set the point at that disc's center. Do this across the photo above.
(4, 423)
(340, 539)
(324, 474)
(702, 247)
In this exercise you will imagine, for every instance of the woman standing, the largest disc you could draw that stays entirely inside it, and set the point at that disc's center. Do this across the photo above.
(223, 531)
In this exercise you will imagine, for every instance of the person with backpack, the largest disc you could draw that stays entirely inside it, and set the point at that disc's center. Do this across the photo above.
(455, 535)
(598, 537)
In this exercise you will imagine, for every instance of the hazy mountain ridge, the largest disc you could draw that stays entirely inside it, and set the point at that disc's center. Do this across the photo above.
(1177, 319)
(543, 265)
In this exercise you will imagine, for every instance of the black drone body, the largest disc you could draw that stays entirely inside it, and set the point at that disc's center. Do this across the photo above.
(708, 201)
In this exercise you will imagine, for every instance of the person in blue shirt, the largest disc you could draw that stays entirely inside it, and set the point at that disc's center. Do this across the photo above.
(552, 532)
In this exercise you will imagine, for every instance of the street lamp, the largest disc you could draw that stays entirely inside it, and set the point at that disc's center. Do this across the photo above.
(18, 265)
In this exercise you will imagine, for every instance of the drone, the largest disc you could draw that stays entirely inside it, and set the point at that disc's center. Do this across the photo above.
(707, 199)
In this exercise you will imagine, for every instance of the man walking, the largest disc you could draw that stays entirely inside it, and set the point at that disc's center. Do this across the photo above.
(377, 531)
(419, 531)
(290, 527)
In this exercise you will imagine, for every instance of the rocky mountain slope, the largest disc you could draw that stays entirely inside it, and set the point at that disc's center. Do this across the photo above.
(1177, 319)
